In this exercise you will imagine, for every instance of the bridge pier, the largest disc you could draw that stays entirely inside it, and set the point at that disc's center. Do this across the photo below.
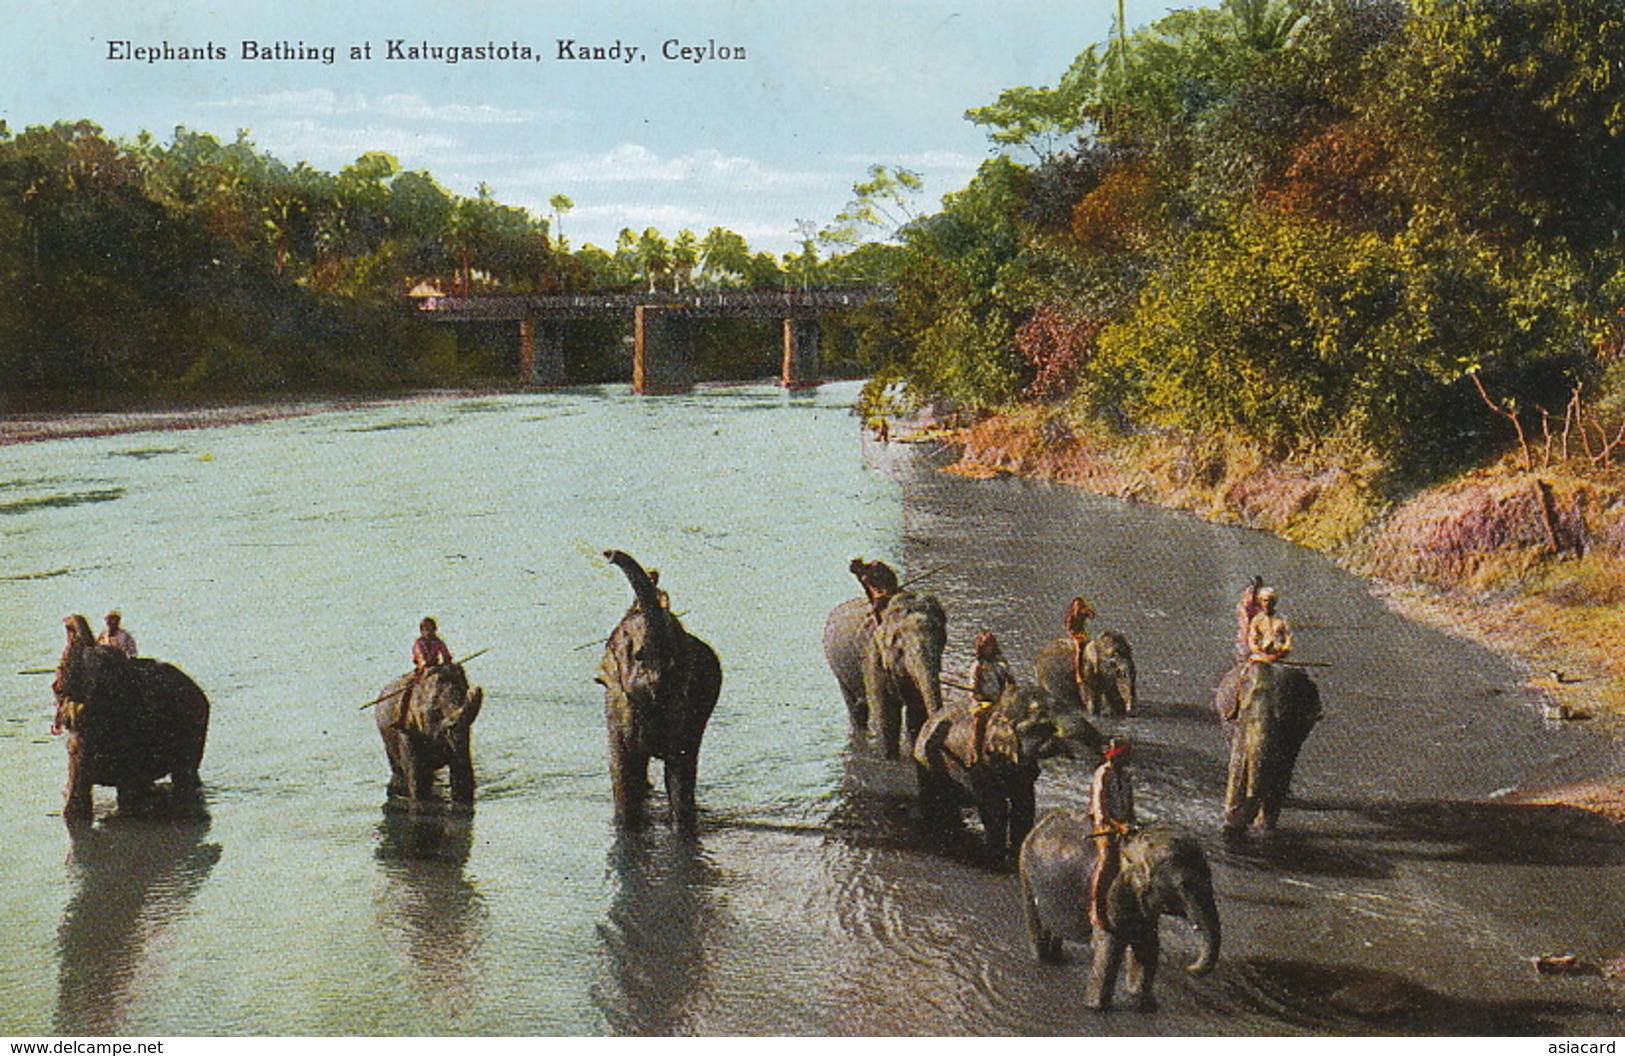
(801, 368)
(542, 365)
(662, 350)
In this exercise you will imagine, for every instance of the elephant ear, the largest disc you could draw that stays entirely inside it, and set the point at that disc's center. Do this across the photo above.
(413, 717)
(1002, 740)
(471, 706)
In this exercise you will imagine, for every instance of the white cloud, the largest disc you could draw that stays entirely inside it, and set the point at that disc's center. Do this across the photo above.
(328, 146)
(324, 102)
(634, 163)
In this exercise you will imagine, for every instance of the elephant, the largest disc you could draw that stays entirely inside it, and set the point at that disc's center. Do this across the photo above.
(1163, 872)
(426, 720)
(129, 722)
(661, 684)
(1268, 709)
(847, 633)
(998, 776)
(902, 667)
(1109, 673)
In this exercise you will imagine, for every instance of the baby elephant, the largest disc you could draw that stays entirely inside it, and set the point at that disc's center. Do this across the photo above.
(1163, 872)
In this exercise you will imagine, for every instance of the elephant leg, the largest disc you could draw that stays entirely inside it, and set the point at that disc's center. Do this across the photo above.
(629, 780)
(1023, 808)
(79, 802)
(1045, 944)
(682, 772)
(420, 775)
(915, 714)
(891, 727)
(462, 773)
(1240, 805)
(1104, 966)
(1142, 971)
(133, 797)
(995, 813)
(857, 706)
(878, 690)
(185, 780)
(934, 797)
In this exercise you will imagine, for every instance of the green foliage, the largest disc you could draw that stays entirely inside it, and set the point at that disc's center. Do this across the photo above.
(1300, 222)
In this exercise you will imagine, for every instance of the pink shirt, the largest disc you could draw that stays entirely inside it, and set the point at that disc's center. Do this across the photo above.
(428, 651)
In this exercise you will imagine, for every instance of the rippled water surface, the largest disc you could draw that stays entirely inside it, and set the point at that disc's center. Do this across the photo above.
(285, 566)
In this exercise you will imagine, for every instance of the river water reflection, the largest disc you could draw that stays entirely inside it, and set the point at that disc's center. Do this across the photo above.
(285, 565)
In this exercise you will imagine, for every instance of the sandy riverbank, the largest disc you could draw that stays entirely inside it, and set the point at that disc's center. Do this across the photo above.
(30, 428)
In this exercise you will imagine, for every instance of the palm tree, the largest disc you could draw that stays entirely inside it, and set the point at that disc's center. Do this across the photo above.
(561, 204)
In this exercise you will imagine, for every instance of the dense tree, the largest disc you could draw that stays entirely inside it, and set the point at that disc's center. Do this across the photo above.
(1296, 220)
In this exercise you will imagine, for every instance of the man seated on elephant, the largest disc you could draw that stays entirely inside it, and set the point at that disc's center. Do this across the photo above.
(1111, 809)
(429, 649)
(1269, 637)
(116, 636)
(1078, 616)
(879, 583)
(990, 675)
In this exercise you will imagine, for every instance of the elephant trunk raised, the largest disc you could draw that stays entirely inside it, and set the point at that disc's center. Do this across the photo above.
(661, 684)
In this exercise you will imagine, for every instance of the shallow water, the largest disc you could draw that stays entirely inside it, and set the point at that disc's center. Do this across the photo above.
(285, 564)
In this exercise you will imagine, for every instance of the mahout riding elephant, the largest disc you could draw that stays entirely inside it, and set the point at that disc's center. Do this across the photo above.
(660, 686)
(902, 667)
(1163, 873)
(129, 722)
(1268, 709)
(426, 719)
(1108, 670)
(993, 769)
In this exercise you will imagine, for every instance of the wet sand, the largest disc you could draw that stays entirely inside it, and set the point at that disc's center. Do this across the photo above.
(33, 427)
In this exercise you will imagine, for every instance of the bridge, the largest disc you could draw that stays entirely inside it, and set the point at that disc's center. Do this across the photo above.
(663, 348)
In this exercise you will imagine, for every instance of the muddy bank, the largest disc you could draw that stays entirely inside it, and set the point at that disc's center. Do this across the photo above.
(1531, 565)
(25, 428)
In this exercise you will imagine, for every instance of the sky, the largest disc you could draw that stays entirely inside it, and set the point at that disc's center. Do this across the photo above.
(758, 144)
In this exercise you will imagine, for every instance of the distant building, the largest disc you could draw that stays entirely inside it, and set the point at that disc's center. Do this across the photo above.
(428, 295)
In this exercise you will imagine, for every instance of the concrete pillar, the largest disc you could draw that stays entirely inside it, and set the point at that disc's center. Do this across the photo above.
(663, 351)
(801, 367)
(550, 352)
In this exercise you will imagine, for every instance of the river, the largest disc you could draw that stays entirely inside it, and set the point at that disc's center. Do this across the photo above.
(285, 565)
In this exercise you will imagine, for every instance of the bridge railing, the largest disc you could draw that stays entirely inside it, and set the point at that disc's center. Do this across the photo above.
(749, 302)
